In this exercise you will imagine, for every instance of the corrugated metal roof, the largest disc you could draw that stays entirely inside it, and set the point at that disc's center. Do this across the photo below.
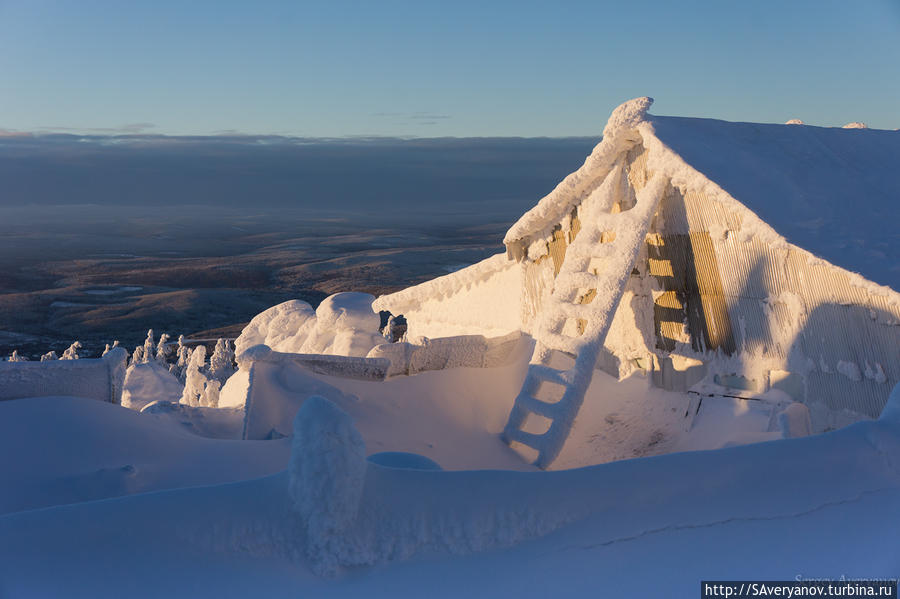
(834, 192)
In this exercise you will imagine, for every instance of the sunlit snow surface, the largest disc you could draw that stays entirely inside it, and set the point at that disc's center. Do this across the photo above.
(822, 506)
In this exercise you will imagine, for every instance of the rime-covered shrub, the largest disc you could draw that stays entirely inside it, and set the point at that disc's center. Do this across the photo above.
(149, 347)
(163, 350)
(182, 357)
(15, 357)
(71, 352)
(221, 363)
(194, 379)
(109, 347)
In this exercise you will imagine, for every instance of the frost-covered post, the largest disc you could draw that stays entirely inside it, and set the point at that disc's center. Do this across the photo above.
(326, 476)
(195, 380)
(72, 352)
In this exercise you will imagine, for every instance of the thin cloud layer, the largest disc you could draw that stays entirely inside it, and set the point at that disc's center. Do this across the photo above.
(498, 177)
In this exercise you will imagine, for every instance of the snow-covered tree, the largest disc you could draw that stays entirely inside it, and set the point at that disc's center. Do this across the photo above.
(221, 363)
(149, 347)
(182, 356)
(395, 329)
(211, 391)
(72, 352)
(50, 355)
(138, 356)
(163, 350)
(109, 347)
(15, 357)
(194, 379)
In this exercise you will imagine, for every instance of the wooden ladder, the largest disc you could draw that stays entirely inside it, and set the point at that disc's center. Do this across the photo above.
(580, 309)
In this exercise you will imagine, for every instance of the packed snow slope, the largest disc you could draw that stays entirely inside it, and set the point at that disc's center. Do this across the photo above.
(455, 416)
(821, 506)
(68, 450)
(61, 450)
(834, 192)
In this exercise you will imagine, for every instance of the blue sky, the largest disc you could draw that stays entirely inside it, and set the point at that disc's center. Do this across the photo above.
(427, 69)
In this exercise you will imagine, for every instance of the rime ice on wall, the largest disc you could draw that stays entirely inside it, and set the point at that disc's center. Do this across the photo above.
(482, 299)
(99, 379)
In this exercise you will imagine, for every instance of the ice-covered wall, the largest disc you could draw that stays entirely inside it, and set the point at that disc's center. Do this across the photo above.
(482, 299)
(99, 379)
(763, 313)
(721, 288)
(271, 386)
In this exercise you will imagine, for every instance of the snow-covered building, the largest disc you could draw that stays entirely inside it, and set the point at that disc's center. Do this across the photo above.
(757, 258)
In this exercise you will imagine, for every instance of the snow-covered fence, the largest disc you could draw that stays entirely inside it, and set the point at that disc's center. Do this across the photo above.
(99, 379)
(356, 513)
(460, 351)
(275, 379)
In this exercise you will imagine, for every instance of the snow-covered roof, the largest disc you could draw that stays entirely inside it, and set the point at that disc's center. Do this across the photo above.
(832, 191)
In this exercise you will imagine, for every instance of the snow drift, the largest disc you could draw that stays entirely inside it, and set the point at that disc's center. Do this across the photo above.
(344, 324)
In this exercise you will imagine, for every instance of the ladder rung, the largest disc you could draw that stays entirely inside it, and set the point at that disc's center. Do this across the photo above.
(573, 310)
(586, 252)
(540, 407)
(549, 374)
(559, 342)
(584, 280)
(530, 439)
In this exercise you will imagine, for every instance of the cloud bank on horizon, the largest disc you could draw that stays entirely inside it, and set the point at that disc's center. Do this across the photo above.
(383, 176)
